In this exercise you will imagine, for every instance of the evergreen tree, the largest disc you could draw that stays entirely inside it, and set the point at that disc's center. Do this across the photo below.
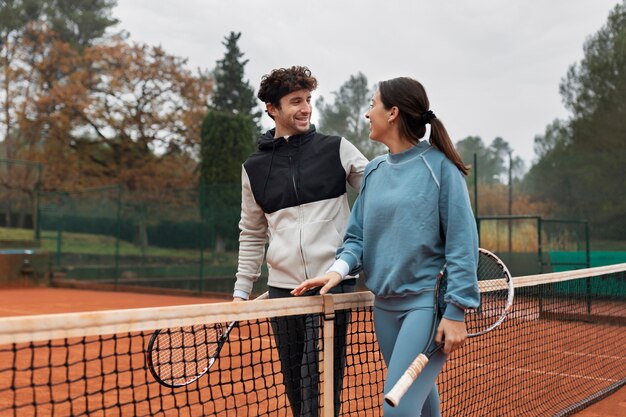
(15, 15)
(80, 22)
(77, 22)
(581, 164)
(229, 133)
(232, 94)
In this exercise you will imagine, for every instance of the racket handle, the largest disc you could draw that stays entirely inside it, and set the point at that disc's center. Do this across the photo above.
(394, 396)
(264, 296)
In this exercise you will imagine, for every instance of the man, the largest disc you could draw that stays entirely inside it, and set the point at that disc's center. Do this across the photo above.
(294, 198)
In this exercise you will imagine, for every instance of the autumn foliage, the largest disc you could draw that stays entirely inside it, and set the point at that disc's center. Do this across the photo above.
(110, 113)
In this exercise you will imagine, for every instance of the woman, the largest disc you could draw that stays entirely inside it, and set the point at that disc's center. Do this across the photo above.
(412, 216)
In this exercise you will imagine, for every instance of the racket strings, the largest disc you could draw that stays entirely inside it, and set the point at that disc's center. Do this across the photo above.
(496, 290)
(182, 354)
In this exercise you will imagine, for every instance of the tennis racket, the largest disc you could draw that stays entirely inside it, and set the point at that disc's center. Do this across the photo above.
(496, 286)
(179, 356)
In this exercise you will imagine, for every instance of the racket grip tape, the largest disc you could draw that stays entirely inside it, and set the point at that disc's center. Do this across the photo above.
(394, 396)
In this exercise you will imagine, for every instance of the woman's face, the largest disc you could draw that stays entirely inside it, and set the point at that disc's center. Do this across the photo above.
(379, 119)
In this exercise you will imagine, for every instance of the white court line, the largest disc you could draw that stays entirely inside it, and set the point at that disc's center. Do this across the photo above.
(560, 374)
(585, 355)
(564, 352)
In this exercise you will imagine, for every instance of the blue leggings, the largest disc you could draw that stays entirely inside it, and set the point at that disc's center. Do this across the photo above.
(402, 335)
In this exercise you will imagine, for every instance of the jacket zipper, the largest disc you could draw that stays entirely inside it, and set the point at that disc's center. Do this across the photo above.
(295, 189)
(293, 179)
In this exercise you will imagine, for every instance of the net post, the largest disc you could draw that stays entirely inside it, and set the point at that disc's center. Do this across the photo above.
(327, 377)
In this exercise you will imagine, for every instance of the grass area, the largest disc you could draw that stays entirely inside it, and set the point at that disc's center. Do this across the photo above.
(524, 240)
(90, 244)
(16, 234)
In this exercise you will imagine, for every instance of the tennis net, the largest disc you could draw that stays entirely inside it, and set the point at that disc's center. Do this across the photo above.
(562, 347)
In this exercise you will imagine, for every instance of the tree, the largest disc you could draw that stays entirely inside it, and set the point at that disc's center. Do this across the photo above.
(75, 22)
(229, 130)
(491, 173)
(488, 167)
(492, 161)
(232, 93)
(20, 24)
(145, 123)
(550, 178)
(503, 155)
(583, 160)
(14, 16)
(220, 189)
(346, 115)
(598, 80)
(98, 112)
(80, 22)
(557, 134)
(110, 113)
(149, 106)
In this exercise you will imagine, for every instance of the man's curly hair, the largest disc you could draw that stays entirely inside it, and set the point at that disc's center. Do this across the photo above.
(283, 81)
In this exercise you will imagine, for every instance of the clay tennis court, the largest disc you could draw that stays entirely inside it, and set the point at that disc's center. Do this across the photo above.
(258, 382)
(107, 375)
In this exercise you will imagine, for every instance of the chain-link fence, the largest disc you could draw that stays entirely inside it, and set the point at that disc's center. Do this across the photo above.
(178, 239)
(188, 238)
(534, 245)
(166, 238)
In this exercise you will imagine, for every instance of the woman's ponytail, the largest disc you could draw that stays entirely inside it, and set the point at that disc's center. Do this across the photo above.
(440, 139)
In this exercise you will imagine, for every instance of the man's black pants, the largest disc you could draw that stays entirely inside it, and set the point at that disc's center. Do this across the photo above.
(298, 342)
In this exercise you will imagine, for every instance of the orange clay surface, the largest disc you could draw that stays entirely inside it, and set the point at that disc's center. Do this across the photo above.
(612, 406)
(27, 301)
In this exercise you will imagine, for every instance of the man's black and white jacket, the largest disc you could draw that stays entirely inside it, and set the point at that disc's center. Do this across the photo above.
(294, 198)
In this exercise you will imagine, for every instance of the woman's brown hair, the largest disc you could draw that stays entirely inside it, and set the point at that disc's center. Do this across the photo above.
(409, 96)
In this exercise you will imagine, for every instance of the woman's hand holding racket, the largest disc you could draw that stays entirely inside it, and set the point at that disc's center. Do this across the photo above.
(179, 356)
(496, 286)
(451, 335)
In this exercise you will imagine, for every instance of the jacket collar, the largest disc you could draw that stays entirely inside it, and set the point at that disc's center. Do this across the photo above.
(267, 141)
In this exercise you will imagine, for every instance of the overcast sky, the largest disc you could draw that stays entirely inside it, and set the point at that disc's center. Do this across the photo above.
(490, 67)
